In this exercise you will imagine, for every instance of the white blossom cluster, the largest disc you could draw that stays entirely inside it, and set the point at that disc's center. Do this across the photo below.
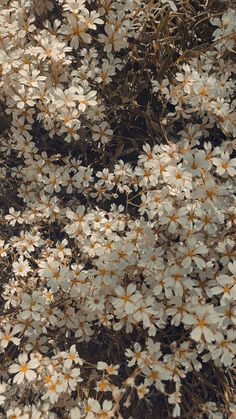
(205, 86)
(145, 250)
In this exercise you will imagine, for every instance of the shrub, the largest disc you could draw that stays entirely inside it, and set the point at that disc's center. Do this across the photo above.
(117, 247)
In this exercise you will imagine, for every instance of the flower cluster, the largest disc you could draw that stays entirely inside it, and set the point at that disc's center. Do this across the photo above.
(118, 262)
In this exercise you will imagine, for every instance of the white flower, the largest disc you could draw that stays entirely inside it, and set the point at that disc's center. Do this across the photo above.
(74, 6)
(75, 30)
(220, 107)
(226, 286)
(68, 97)
(178, 177)
(174, 398)
(22, 267)
(102, 132)
(103, 412)
(71, 357)
(7, 335)
(3, 248)
(142, 390)
(86, 99)
(225, 165)
(91, 19)
(14, 217)
(196, 163)
(53, 390)
(144, 311)
(137, 355)
(224, 348)
(126, 299)
(114, 39)
(174, 217)
(25, 369)
(203, 321)
(32, 305)
(110, 369)
(70, 378)
(187, 79)
(191, 253)
(16, 414)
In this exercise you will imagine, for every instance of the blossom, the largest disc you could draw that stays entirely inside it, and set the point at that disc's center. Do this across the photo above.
(53, 390)
(225, 165)
(175, 398)
(232, 269)
(227, 314)
(192, 252)
(104, 411)
(196, 163)
(137, 355)
(70, 378)
(144, 311)
(224, 348)
(8, 335)
(202, 322)
(74, 7)
(15, 413)
(187, 79)
(103, 385)
(142, 390)
(114, 39)
(126, 299)
(3, 248)
(68, 97)
(75, 30)
(31, 79)
(179, 177)
(173, 216)
(21, 267)
(102, 133)
(71, 357)
(86, 99)
(32, 305)
(91, 19)
(220, 107)
(177, 309)
(110, 369)
(25, 369)
(24, 98)
(227, 250)
(14, 217)
(226, 286)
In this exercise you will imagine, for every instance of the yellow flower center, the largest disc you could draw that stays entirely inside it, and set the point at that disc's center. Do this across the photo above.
(201, 322)
(24, 368)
